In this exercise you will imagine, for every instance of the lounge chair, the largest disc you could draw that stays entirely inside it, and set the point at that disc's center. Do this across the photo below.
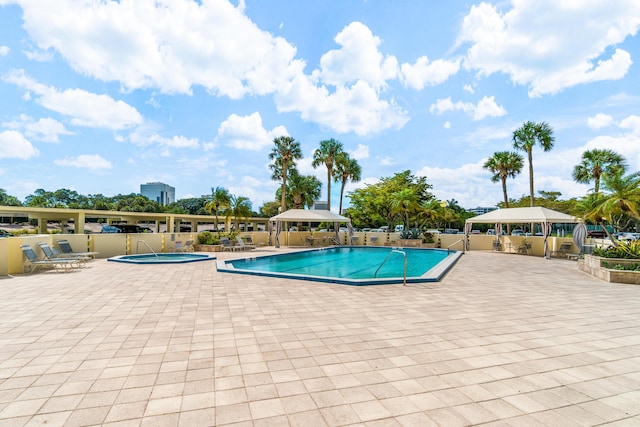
(563, 251)
(50, 254)
(226, 245)
(243, 245)
(66, 249)
(249, 241)
(33, 262)
(187, 247)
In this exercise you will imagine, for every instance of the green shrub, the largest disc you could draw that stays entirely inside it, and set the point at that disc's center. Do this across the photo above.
(624, 250)
(207, 238)
(623, 267)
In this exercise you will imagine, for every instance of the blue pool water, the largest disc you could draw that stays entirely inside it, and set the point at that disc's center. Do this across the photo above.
(351, 265)
(164, 258)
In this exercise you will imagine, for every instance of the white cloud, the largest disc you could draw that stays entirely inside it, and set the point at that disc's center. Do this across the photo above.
(361, 152)
(599, 121)
(39, 55)
(167, 45)
(358, 59)
(387, 161)
(486, 107)
(536, 44)
(4, 50)
(447, 125)
(423, 73)
(84, 108)
(247, 132)
(46, 130)
(85, 161)
(13, 145)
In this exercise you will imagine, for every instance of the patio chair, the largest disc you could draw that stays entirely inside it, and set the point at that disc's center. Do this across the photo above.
(33, 262)
(187, 247)
(249, 241)
(243, 245)
(525, 248)
(226, 245)
(51, 253)
(66, 249)
(563, 251)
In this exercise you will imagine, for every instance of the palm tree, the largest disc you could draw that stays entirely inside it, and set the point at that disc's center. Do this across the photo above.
(346, 169)
(239, 208)
(526, 137)
(597, 162)
(503, 165)
(329, 150)
(284, 154)
(404, 202)
(220, 200)
(304, 189)
(623, 195)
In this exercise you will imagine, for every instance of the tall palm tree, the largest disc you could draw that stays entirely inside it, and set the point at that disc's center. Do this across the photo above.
(526, 137)
(220, 200)
(597, 162)
(329, 150)
(503, 165)
(346, 169)
(284, 154)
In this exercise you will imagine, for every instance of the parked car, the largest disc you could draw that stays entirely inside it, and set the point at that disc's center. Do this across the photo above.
(597, 234)
(110, 229)
(517, 232)
(433, 231)
(4, 233)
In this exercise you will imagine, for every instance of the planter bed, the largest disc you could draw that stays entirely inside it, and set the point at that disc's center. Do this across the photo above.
(593, 265)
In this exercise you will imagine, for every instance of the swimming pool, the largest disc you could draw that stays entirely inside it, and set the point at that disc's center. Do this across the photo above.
(164, 258)
(350, 265)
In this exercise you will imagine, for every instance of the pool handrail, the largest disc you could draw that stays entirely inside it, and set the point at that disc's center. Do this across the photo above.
(404, 255)
(147, 245)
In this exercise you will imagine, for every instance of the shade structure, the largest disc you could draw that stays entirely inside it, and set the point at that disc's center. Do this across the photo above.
(304, 215)
(536, 214)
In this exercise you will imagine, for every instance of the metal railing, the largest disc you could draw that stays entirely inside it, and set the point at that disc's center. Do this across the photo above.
(147, 245)
(455, 243)
(404, 255)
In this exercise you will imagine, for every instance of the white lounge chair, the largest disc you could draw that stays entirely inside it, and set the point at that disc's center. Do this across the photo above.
(243, 245)
(66, 249)
(33, 262)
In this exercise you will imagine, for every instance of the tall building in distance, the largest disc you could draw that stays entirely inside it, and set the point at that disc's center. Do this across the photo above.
(158, 191)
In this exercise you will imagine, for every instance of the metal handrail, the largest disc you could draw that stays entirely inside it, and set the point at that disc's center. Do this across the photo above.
(404, 255)
(455, 243)
(147, 245)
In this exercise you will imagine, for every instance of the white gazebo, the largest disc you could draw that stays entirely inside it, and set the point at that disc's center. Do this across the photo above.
(533, 215)
(304, 215)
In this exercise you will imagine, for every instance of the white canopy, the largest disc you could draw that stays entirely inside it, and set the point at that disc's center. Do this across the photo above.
(536, 214)
(304, 215)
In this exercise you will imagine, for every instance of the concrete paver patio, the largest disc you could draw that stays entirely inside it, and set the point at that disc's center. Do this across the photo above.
(502, 340)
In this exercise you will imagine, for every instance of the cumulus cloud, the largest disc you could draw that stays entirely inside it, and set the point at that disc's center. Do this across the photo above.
(536, 44)
(247, 132)
(44, 129)
(424, 73)
(4, 50)
(171, 46)
(84, 108)
(361, 152)
(486, 107)
(85, 161)
(13, 145)
(599, 121)
(357, 59)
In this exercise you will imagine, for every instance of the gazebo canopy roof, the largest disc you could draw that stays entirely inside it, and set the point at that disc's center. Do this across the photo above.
(523, 216)
(310, 215)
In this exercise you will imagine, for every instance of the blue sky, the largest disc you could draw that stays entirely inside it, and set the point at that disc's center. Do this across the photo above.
(102, 96)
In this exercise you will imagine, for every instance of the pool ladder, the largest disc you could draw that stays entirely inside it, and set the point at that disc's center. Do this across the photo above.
(404, 255)
(147, 245)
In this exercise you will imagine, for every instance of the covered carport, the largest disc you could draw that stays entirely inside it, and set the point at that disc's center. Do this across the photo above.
(532, 215)
(304, 215)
